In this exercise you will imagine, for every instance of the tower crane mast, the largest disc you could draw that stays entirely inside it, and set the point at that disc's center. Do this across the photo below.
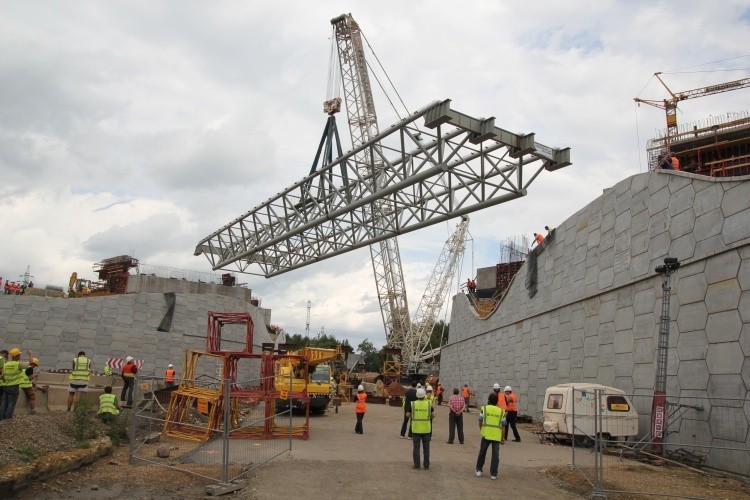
(670, 105)
(363, 126)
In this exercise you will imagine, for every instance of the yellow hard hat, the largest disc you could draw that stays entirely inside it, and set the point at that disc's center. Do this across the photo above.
(15, 352)
(35, 361)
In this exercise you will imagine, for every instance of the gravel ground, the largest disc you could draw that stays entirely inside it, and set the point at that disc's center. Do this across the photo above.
(336, 462)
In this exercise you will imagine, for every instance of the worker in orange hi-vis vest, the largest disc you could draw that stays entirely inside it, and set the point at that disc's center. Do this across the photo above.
(512, 406)
(675, 163)
(466, 394)
(360, 409)
(169, 376)
(538, 239)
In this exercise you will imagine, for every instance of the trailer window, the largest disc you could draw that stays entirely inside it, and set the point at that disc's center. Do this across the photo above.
(617, 403)
(554, 401)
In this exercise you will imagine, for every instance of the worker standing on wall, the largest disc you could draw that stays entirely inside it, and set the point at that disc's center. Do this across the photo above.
(128, 380)
(538, 239)
(79, 378)
(360, 408)
(169, 376)
(12, 378)
(512, 406)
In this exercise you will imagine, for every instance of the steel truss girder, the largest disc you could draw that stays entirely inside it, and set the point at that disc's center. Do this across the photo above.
(461, 165)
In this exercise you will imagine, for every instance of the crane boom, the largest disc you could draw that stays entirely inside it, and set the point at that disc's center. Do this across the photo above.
(434, 296)
(363, 126)
(670, 105)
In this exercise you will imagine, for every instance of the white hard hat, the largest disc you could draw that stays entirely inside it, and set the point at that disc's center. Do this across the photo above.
(360, 388)
(507, 389)
(170, 365)
(429, 388)
(419, 386)
(421, 393)
(129, 358)
(496, 387)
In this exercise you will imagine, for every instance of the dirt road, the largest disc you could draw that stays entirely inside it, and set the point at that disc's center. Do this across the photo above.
(336, 462)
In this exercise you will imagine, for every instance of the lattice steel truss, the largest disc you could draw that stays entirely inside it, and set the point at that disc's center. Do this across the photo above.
(460, 165)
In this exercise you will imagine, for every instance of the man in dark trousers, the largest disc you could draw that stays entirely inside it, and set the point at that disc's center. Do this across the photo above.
(409, 396)
(512, 406)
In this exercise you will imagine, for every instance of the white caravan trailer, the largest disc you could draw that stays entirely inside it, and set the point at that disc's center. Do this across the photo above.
(619, 417)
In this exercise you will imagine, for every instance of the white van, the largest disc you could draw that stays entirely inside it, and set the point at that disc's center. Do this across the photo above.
(619, 417)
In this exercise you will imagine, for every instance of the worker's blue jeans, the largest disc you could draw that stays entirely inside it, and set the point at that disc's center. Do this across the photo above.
(9, 399)
(424, 440)
(494, 461)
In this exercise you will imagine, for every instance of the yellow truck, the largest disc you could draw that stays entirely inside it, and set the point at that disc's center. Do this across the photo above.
(317, 378)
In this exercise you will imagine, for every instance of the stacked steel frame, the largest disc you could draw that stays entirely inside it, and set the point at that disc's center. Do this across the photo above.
(189, 393)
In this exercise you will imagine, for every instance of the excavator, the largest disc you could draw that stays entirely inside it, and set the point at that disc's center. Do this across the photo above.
(78, 287)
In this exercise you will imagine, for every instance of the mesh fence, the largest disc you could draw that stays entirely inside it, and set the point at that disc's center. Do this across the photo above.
(189, 428)
(609, 428)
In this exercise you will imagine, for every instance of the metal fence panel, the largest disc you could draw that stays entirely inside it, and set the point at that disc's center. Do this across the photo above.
(698, 433)
(189, 427)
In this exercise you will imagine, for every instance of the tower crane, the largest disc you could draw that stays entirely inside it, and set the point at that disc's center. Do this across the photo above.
(670, 105)
(363, 126)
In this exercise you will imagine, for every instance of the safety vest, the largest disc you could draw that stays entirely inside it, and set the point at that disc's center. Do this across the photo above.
(501, 401)
(81, 369)
(127, 370)
(107, 370)
(431, 399)
(169, 375)
(675, 163)
(2, 363)
(12, 373)
(25, 380)
(512, 402)
(107, 404)
(465, 392)
(492, 417)
(361, 406)
(421, 411)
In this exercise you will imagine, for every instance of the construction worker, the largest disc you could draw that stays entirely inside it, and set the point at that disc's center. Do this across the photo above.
(439, 394)
(471, 285)
(169, 376)
(538, 239)
(421, 427)
(3, 359)
(12, 379)
(79, 378)
(360, 408)
(128, 378)
(512, 406)
(107, 370)
(409, 396)
(107, 405)
(430, 395)
(502, 403)
(28, 383)
(490, 426)
(466, 394)
(675, 162)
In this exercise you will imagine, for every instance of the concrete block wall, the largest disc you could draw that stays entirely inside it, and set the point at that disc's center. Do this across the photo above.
(596, 315)
(56, 329)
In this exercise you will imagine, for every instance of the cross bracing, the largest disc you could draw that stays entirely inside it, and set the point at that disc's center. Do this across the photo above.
(413, 177)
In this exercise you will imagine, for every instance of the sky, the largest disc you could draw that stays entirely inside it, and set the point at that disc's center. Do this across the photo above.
(142, 127)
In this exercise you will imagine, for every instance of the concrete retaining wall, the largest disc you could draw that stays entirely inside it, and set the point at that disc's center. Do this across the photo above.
(596, 315)
(119, 325)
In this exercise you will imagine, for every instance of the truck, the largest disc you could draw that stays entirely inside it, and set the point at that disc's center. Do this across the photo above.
(575, 404)
(310, 371)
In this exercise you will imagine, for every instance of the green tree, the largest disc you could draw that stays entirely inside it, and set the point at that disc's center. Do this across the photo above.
(371, 357)
(439, 336)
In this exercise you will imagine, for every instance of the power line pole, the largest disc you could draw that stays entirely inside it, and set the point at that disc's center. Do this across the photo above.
(307, 326)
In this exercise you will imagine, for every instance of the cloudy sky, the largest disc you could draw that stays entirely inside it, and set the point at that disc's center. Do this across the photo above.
(141, 127)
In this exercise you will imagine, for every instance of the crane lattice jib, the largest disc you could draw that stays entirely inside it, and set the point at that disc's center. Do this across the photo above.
(435, 293)
(454, 165)
(670, 105)
(363, 126)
